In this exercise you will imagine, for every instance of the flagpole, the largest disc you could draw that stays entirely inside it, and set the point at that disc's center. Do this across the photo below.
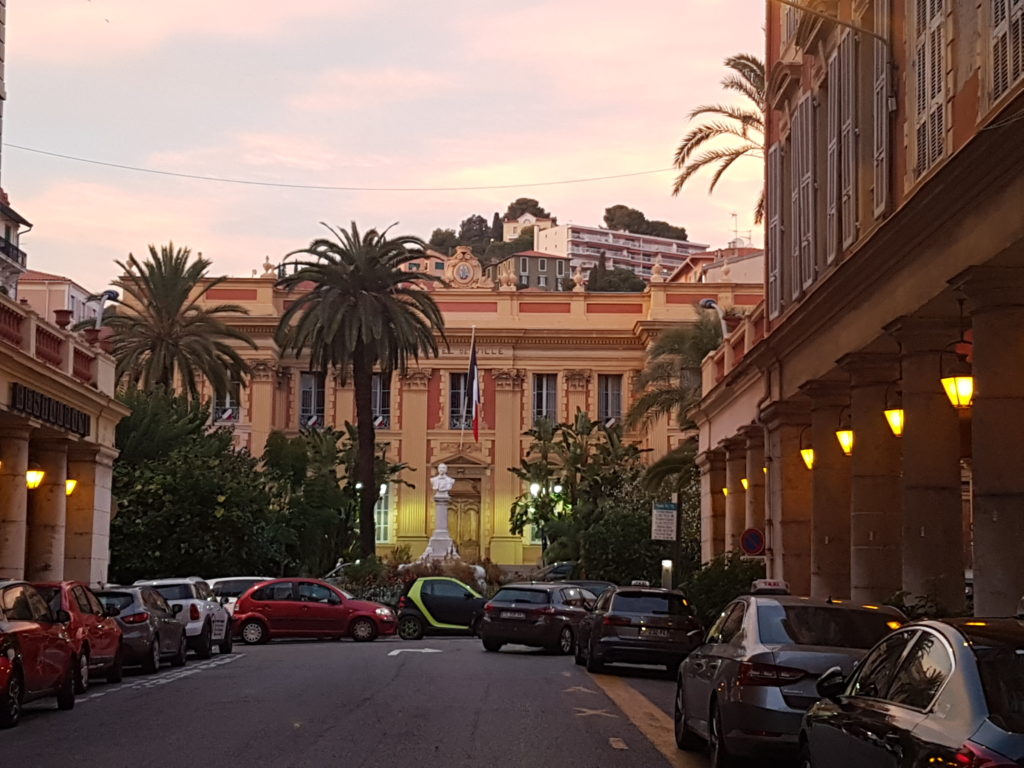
(467, 390)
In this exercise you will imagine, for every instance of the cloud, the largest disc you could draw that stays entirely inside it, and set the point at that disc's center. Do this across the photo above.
(342, 88)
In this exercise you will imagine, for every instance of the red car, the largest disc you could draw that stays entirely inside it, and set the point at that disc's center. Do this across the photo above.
(308, 608)
(95, 635)
(36, 657)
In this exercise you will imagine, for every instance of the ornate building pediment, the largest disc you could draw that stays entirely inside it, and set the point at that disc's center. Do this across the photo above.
(463, 270)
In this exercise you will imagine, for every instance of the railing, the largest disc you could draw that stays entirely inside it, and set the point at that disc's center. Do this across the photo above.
(48, 347)
(13, 252)
(82, 365)
(10, 325)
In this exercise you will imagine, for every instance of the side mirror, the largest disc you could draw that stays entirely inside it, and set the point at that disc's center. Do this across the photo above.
(831, 684)
(111, 612)
(176, 609)
(61, 617)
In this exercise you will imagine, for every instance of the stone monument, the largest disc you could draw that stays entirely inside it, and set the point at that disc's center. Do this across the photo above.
(441, 545)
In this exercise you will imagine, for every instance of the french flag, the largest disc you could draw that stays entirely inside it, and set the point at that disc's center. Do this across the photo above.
(474, 389)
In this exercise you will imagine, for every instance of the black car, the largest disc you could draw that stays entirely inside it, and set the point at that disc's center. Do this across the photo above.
(538, 614)
(934, 693)
(638, 625)
(438, 605)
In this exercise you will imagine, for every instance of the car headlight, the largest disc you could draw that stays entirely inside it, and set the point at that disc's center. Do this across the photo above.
(383, 611)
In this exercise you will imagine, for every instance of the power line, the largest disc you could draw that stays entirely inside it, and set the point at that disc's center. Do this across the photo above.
(324, 187)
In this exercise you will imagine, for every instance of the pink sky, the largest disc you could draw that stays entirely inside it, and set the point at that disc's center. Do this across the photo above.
(353, 93)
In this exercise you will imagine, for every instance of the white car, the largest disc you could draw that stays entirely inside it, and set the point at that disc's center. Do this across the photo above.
(228, 589)
(206, 620)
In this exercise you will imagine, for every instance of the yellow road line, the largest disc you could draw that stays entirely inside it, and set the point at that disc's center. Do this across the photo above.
(649, 720)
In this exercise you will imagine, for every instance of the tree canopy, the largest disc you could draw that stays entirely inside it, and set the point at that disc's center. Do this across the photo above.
(615, 280)
(475, 232)
(626, 219)
(443, 239)
(522, 205)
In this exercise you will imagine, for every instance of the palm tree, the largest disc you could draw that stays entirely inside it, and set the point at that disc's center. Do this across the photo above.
(671, 377)
(362, 312)
(164, 335)
(743, 125)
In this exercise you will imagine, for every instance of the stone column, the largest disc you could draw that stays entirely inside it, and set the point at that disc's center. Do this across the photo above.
(506, 548)
(875, 490)
(735, 501)
(712, 503)
(830, 491)
(933, 518)
(47, 513)
(577, 382)
(411, 521)
(753, 516)
(13, 501)
(995, 297)
(788, 527)
(261, 404)
(87, 534)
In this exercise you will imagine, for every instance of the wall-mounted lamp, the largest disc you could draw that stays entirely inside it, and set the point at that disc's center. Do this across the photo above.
(34, 477)
(956, 378)
(745, 483)
(69, 486)
(725, 491)
(845, 434)
(894, 405)
(806, 452)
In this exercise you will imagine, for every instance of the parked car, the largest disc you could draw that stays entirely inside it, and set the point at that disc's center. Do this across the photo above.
(935, 693)
(95, 635)
(556, 571)
(638, 625)
(745, 690)
(229, 588)
(37, 659)
(151, 631)
(308, 608)
(206, 620)
(438, 605)
(538, 614)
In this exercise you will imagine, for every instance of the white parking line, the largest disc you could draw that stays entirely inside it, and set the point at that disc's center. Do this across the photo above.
(154, 682)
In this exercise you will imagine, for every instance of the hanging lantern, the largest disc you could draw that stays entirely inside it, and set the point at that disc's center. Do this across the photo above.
(725, 491)
(34, 477)
(894, 403)
(845, 438)
(959, 390)
(745, 483)
(956, 379)
(69, 486)
(807, 454)
(895, 418)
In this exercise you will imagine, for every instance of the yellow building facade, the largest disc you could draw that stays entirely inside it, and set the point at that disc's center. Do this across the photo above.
(539, 354)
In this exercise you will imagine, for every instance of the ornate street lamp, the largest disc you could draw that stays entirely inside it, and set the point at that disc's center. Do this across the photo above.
(894, 403)
(34, 477)
(958, 383)
(745, 483)
(807, 454)
(845, 434)
(69, 486)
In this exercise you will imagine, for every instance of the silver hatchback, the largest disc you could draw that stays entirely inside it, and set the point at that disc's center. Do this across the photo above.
(746, 689)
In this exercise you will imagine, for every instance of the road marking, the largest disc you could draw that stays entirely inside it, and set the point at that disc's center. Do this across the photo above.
(649, 720)
(170, 677)
(413, 650)
(584, 712)
(578, 689)
(617, 743)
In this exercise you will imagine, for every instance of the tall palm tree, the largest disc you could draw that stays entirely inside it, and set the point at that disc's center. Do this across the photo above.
(741, 125)
(362, 312)
(162, 336)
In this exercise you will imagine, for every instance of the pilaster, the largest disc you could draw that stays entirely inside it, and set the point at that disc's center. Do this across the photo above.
(505, 548)
(411, 523)
(47, 513)
(87, 532)
(712, 503)
(13, 501)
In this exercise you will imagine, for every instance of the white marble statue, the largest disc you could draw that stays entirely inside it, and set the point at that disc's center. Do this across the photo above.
(442, 482)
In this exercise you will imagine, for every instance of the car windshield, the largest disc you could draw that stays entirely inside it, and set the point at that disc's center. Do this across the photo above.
(175, 591)
(537, 596)
(1000, 654)
(650, 604)
(234, 587)
(822, 625)
(119, 600)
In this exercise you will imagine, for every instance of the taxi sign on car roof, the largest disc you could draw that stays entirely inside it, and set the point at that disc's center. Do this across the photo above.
(769, 587)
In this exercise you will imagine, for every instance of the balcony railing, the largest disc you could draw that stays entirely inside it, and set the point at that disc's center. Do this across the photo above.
(13, 252)
(49, 347)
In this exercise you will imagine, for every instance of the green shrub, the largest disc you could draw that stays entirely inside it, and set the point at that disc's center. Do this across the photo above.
(724, 579)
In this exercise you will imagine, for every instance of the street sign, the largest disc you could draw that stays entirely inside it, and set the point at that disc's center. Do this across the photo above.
(752, 542)
(663, 521)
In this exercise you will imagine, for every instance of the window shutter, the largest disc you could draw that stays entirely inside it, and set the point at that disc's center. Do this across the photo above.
(1017, 41)
(796, 142)
(832, 163)
(774, 229)
(880, 184)
(808, 218)
(848, 140)
(930, 79)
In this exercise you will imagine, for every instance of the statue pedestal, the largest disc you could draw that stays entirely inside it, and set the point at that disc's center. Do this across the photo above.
(441, 545)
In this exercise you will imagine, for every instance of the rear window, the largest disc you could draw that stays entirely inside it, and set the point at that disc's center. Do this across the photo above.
(234, 587)
(119, 600)
(650, 603)
(536, 596)
(1000, 655)
(175, 591)
(820, 625)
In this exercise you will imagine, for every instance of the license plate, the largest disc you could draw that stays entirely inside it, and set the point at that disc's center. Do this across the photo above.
(647, 632)
(513, 615)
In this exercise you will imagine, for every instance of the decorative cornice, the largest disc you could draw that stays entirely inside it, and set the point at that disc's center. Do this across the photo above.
(416, 378)
(508, 379)
(577, 379)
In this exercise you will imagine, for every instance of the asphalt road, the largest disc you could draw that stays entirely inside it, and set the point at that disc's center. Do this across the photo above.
(342, 704)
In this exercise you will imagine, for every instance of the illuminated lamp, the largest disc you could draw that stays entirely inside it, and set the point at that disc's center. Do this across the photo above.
(725, 491)
(69, 486)
(959, 390)
(958, 383)
(34, 477)
(745, 483)
(894, 406)
(807, 454)
(845, 438)
(895, 418)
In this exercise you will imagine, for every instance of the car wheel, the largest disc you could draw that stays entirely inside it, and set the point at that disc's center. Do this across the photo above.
(82, 672)
(10, 705)
(685, 738)
(410, 628)
(180, 657)
(363, 630)
(719, 752)
(226, 644)
(253, 632)
(805, 756)
(492, 645)
(594, 662)
(566, 641)
(115, 673)
(66, 692)
(204, 648)
(151, 663)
